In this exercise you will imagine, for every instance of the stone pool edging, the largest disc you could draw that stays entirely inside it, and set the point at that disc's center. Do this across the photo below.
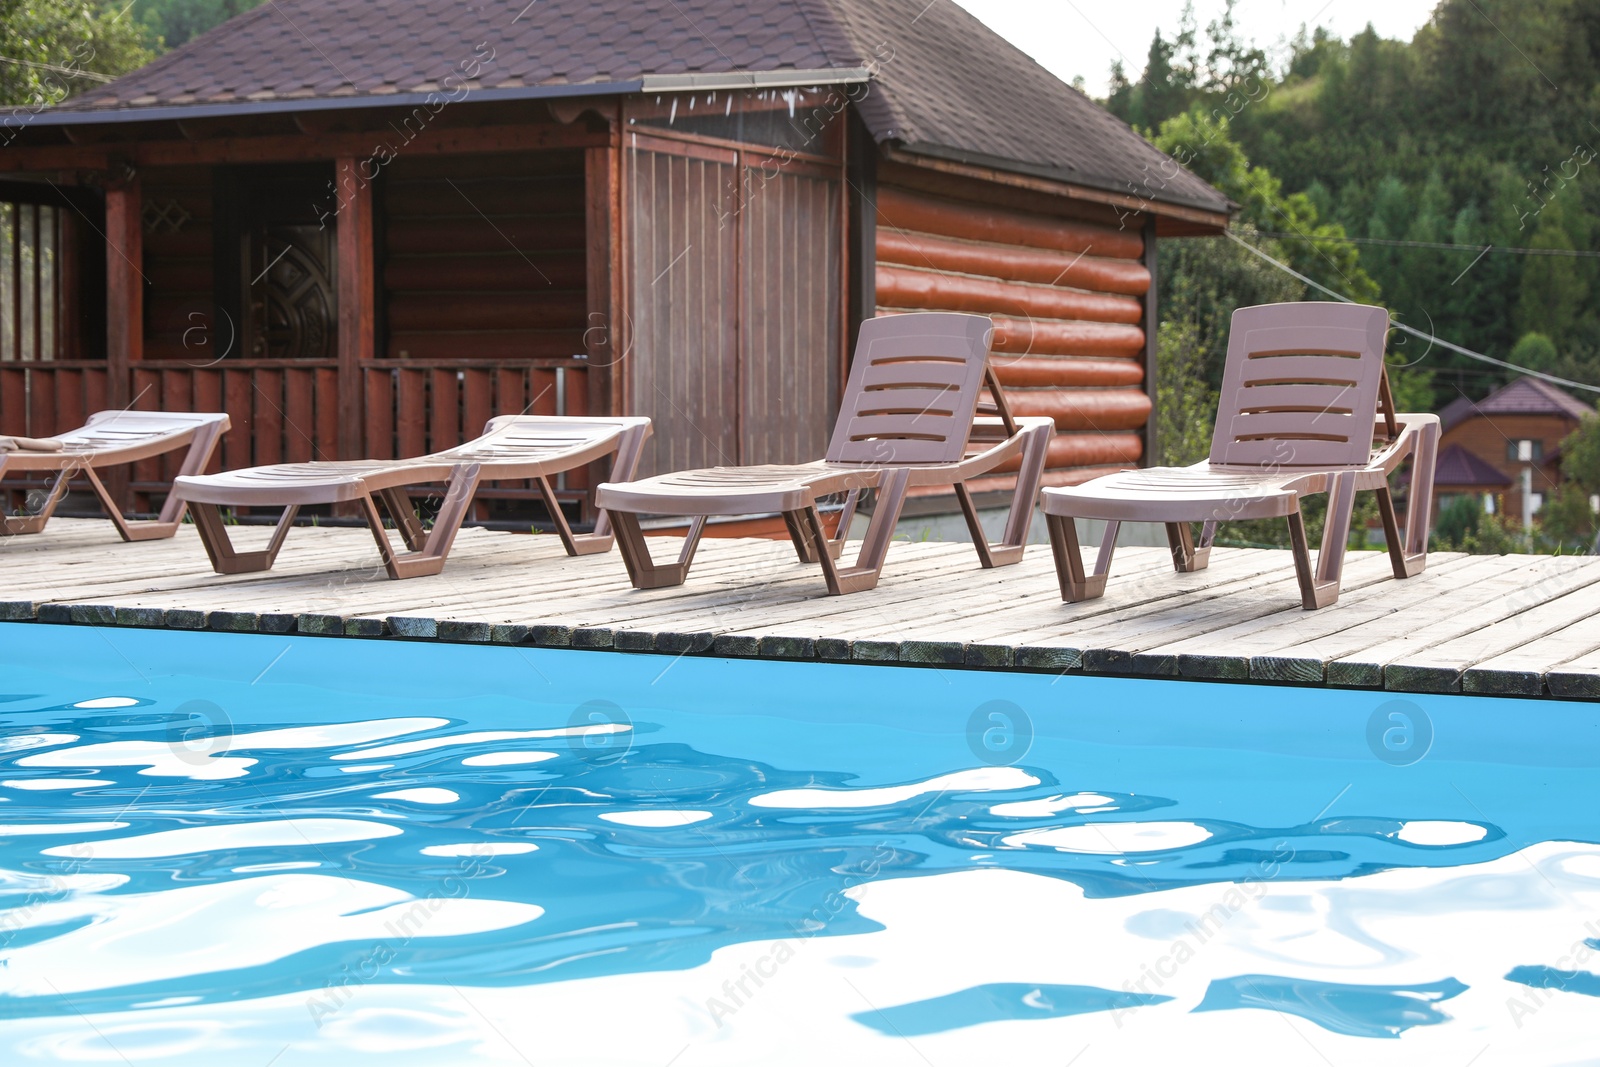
(1582, 685)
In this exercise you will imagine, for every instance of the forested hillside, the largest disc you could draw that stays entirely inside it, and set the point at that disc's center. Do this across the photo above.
(1479, 132)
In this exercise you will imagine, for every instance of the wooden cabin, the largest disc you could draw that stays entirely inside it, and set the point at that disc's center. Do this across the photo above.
(1486, 445)
(362, 228)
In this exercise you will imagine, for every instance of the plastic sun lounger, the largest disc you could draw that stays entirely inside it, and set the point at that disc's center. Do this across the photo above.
(909, 418)
(111, 439)
(1305, 408)
(513, 447)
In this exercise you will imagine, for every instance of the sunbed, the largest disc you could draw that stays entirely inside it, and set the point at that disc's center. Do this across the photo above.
(111, 439)
(910, 418)
(512, 448)
(1305, 408)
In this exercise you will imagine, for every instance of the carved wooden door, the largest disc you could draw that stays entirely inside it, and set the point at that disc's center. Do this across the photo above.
(290, 301)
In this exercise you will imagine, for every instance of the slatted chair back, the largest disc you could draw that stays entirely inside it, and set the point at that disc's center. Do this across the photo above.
(1302, 386)
(913, 390)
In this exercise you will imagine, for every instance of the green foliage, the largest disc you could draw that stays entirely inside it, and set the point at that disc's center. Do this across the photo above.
(1476, 133)
(1567, 522)
(1186, 405)
(1580, 455)
(51, 49)
(1463, 526)
(1534, 350)
(1456, 520)
(1554, 295)
(1204, 143)
(174, 22)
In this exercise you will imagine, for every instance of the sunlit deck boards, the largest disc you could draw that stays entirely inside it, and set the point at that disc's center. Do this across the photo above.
(1514, 625)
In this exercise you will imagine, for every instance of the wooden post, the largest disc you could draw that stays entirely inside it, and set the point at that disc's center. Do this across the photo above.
(124, 312)
(124, 288)
(602, 340)
(604, 336)
(1151, 319)
(862, 194)
(68, 343)
(357, 308)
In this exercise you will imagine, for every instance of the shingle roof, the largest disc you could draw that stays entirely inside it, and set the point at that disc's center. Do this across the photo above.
(1456, 467)
(943, 83)
(1525, 396)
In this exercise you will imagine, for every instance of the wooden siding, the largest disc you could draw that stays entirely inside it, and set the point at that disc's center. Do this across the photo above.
(483, 262)
(735, 262)
(1067, 298)
(683, 251)
(789, 318)
(483, 257)
(179, 304)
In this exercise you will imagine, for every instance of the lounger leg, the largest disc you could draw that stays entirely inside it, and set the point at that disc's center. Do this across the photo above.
(167, 522)
(1075, 584)
(195, 461)
(575, 544)
(1320, 587)
(430, 557)
(1013, 543)
(643, 571)
(1185, 557)
(800, 532)
(1108, 545)
(624, 466)
(863, 574)
(225, 559)
(397, 502)
(800, 536)
(980, 540)
(16, 525)
(841, 532)
(1408, 550)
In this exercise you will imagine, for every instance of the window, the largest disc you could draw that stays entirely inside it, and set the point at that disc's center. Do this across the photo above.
(1524, 450)
(30, 286)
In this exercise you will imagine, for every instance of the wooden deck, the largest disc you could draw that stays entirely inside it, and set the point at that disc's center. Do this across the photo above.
(1504, 625)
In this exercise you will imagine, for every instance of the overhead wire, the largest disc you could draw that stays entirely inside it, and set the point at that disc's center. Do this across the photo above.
(1412, 330)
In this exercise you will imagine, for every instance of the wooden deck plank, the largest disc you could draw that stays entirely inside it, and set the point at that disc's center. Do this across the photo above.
(1395, 655)
(1513, 625)
(1240, 650)
(1522, 670)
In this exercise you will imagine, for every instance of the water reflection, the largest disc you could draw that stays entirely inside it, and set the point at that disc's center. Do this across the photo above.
(420, 851)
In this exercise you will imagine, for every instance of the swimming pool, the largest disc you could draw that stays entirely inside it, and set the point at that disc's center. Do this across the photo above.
(255, 850)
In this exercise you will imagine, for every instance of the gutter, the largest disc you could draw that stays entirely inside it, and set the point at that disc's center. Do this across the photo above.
(649, 83)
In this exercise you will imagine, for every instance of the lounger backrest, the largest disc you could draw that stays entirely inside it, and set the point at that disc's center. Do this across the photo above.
(913, 389)
(1301, 386)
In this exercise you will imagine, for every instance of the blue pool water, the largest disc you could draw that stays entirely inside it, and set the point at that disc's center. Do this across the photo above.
(253, 850)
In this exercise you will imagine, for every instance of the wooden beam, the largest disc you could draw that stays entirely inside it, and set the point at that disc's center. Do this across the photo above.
(357, 298)
(400, 138)
(124, 286)
(1151, 321)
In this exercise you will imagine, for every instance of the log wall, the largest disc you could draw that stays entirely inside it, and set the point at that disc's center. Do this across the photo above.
(1067, 297)
(178, 267)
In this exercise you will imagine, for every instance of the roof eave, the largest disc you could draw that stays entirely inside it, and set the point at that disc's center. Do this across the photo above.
(650, 83)
(1197, 218)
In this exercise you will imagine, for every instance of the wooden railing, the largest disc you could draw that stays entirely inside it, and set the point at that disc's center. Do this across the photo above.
(288, 410)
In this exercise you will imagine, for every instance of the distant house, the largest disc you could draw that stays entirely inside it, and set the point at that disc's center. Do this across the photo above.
(362, 227)
(1487, 445)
